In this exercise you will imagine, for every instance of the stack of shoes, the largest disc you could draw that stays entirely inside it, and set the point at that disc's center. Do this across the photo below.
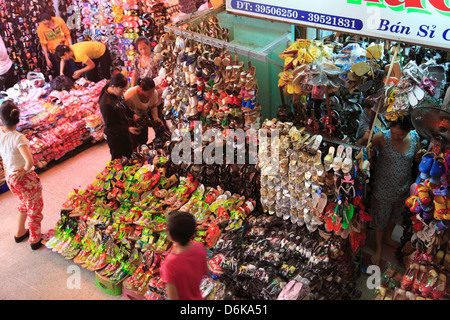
(429, 203)
(272, 252)
(324, 185)
(425, 278)
(117, 226)
(57, 124)
(207, 84)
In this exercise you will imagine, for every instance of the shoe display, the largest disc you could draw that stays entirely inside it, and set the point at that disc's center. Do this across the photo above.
(282, 192)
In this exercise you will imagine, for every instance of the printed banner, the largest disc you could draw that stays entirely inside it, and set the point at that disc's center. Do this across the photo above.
(422, 22)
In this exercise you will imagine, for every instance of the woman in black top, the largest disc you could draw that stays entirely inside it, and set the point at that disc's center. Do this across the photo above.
(113, 109)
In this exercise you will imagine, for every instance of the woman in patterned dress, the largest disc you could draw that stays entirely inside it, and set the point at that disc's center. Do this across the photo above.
(144, 63)
(399, 147)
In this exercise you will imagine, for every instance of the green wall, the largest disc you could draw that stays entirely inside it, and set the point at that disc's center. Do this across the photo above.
(255, 34)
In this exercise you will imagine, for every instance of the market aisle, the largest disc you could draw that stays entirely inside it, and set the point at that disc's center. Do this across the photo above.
(43, 274)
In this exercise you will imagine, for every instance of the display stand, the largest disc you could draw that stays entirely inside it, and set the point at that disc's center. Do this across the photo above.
(262, 52)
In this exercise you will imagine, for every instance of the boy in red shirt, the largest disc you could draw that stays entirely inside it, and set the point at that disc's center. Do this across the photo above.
(184, 268)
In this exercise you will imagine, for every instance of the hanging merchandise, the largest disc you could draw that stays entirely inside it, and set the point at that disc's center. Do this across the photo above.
(19, 20)
(330, 82)
(207, 84)
(119, 23)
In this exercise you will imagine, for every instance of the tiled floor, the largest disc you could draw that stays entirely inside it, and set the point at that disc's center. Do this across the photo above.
(46, 275)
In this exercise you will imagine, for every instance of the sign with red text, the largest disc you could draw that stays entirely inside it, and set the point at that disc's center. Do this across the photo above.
(422, 22)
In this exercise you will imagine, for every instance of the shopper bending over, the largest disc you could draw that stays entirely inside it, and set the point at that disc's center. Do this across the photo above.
(52, 32)
(20, 176)
(90, 53)
(399, 148)
(183, 269)
(113, 110)
(142, 102)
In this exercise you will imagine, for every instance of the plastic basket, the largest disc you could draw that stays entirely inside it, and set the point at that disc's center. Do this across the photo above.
(111, 287)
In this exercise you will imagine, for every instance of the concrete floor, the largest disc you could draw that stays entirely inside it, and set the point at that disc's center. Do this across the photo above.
(43, 274)
(46, 275)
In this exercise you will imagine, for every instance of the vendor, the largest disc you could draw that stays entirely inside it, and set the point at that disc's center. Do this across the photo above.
(52, 32)
(399, 148)
(144, 64)
(142, 102)
(90, 53)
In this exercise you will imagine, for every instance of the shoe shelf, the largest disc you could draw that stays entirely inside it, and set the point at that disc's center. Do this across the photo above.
(232, 46)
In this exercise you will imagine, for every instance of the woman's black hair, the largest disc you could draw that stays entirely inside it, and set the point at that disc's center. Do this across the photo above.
(142, 39)
(9, 113)
(147, 84)
(181, 227)
(60, 51)
(46, 16)
(118, 80)
(404, 123)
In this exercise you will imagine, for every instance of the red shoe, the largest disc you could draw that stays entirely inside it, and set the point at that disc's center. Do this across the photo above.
(410, 275)
(420, 278)
(430, 283)
(439, 289)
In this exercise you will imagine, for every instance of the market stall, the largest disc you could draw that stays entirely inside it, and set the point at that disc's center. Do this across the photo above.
(291, 221)
(57, 122)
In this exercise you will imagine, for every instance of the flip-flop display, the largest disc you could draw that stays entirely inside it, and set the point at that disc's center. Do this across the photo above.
(117, 225)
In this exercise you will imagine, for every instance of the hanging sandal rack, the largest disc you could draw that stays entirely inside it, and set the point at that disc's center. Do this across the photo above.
(196, 18)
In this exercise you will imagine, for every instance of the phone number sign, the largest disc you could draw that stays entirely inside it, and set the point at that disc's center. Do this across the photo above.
(409, 21)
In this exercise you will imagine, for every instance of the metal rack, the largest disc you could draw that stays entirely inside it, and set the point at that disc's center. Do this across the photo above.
(197, 17)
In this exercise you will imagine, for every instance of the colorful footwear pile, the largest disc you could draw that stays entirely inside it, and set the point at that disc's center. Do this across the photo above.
(425, 278)
(117, 225)
(429, 204)
(259, 261)
(58, 124)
